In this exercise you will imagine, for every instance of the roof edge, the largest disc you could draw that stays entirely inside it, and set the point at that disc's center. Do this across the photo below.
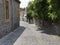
(18, 1)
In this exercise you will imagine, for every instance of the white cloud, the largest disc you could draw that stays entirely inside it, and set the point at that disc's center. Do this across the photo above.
(24, 3)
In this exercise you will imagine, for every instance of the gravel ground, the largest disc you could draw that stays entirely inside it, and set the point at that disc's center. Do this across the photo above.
(27, 34)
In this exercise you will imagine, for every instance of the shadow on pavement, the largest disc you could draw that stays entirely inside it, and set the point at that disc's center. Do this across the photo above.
(47, 31)
(11, 38)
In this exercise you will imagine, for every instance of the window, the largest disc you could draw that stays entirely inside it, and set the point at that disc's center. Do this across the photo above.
(6, 7)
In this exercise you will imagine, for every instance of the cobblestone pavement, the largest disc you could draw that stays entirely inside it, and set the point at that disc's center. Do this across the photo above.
(27, 34)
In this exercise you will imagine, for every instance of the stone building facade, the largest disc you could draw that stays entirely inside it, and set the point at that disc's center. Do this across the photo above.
(23, 14)
(9, 16)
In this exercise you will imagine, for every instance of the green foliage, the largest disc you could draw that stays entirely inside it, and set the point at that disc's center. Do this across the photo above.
(48, 10)
(41, 8)
(52, 16)
(29, 14)
(56, 8)
(29, 10)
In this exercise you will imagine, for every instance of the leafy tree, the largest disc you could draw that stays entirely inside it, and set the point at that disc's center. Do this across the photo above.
(41, 8)
(45, 10)
(56, 10)
(29, 10)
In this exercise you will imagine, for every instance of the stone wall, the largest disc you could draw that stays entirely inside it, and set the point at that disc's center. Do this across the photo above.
(51, 28)
(15, 14)
(6, 27)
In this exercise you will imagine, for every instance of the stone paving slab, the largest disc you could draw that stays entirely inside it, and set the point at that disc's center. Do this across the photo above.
(12, 37)
(27, 34)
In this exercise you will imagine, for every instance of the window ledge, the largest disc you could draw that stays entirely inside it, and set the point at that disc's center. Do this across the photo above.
(7, 21)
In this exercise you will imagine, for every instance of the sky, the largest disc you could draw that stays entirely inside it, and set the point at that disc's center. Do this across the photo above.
(24, 3)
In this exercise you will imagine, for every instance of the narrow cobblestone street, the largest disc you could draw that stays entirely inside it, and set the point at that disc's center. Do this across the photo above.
(27, 34)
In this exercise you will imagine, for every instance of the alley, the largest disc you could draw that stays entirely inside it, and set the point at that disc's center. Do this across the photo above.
(27, 34)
